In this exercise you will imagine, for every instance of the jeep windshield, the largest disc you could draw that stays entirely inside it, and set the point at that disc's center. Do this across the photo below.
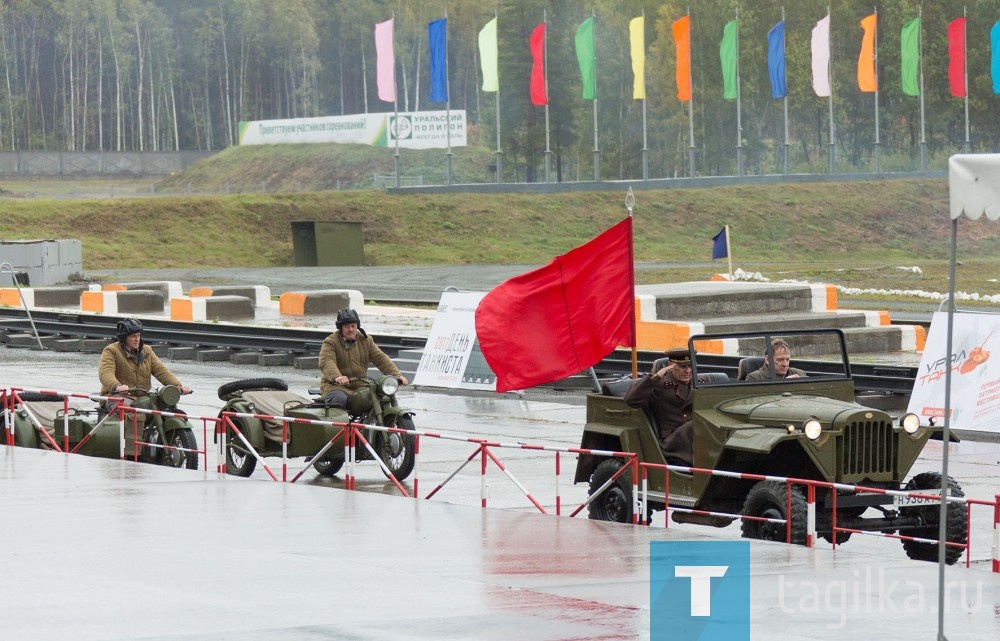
(769, 358)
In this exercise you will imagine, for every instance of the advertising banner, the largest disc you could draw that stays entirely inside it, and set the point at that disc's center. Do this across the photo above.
(415, 130)
(975, 376)
(451, 356)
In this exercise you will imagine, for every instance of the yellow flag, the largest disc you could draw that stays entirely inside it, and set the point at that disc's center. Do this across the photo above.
(637, 35)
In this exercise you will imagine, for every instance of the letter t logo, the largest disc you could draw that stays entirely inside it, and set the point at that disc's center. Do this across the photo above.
(701, 585)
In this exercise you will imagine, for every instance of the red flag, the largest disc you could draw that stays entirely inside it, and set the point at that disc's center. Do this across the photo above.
(956, 57)
(539, 97)
(560, 319)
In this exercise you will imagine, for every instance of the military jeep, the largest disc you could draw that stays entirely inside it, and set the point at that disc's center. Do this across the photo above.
(808, 427)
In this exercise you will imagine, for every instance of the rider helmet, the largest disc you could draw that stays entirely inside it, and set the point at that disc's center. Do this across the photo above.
(126, 327)
(347, 316)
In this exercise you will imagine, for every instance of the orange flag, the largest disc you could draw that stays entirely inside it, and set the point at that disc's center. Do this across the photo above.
(682, 37)
(867, 82)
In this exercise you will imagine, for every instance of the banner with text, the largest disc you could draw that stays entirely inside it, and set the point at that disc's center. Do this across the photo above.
(451, 356)
(416, 130)
(975, 376)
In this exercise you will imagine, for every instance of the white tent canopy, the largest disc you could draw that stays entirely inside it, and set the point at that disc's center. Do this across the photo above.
(974, 186)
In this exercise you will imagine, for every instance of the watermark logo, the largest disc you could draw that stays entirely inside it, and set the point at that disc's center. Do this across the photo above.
(699, 590)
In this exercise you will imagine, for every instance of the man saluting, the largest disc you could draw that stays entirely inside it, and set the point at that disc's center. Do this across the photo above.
(667, 394)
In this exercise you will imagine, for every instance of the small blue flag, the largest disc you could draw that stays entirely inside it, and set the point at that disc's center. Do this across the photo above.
(776, 59)
(720, 244)
(437, 35)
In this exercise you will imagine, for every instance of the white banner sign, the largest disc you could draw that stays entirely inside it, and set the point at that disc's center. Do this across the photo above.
(416, 130)
(451, 356)
(975, 375)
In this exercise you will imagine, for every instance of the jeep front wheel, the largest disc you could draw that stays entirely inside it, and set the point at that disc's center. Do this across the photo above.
(769, 500)
(615, 502)
(930, 515)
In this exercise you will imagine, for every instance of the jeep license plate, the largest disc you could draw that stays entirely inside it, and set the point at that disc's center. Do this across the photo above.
(906, 501)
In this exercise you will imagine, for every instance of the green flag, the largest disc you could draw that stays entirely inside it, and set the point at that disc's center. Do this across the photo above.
(909, 40)
(585, 56)
(728, 53)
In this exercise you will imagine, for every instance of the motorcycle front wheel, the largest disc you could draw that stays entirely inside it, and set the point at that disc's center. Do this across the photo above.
(183, 438)
(396, 449)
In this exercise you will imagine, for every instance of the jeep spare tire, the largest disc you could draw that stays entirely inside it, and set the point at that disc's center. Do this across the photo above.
(251, 385)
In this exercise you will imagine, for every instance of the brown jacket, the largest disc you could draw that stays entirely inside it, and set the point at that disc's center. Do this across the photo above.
(764, 374)
(118, 368)
(669, 400)
(338, 358)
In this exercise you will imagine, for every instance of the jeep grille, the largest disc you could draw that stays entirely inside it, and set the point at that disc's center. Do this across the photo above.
(869, 449)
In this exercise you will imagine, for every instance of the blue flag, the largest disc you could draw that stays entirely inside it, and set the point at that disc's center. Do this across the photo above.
(776, 59)
(437, 36)
(720, 244)
(995, 56)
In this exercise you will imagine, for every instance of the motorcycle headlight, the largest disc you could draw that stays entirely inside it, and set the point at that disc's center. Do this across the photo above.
(388, 385)
(910, 423)
(812, 428)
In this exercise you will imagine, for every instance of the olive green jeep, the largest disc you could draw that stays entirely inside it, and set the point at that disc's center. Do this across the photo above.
(808, 427)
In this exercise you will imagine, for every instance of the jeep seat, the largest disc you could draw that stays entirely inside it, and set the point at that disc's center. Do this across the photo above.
(616, 388)
(747, 365)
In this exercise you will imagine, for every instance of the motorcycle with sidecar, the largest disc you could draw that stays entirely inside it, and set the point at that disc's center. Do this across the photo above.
(53, 422)
(373, 404)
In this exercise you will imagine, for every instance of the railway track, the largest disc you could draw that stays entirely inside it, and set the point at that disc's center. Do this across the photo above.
(884, 379)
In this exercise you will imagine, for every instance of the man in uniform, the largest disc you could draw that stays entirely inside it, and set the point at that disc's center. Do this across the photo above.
(667, 395)
(345, 354)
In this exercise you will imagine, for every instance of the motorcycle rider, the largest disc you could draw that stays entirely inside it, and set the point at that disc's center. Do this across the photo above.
(130, 363)
(345, 354)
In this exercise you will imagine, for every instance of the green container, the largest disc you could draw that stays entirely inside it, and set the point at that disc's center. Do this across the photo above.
(322, 243)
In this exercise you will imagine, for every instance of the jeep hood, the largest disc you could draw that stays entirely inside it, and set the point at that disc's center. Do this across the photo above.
(793, 409)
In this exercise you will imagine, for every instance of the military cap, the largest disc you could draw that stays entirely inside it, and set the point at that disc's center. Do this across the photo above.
(680, 355)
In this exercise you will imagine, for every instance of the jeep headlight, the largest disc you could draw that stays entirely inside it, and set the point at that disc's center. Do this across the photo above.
(812, 428)
(910, 423)
(389, 385)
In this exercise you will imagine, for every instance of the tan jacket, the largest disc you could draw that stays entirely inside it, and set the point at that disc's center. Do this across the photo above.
(117, 368)
(337, 358)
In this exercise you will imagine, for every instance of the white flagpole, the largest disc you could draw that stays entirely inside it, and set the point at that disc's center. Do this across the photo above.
(545, 74)
(878, 141)
(729, 254)
(920, 58)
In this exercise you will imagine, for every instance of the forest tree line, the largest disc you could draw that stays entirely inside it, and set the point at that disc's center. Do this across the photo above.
(161, 75)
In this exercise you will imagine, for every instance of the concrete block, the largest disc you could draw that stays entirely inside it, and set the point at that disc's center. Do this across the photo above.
(319, 303)
(259, 295)
(307, 362)
(212, 355)
(28, 341)
(122, 302)
(169, 288)
(245, 358)
(58, 296)
(44, 262)
(66, 345)
(278, 358)
(93, 345)
(212, 308)
(182, 353)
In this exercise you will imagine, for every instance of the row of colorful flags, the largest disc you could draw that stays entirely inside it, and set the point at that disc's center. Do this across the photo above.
(867, 77)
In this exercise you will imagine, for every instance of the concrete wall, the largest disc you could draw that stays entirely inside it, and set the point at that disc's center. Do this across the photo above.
(46, 262)
(96, 163)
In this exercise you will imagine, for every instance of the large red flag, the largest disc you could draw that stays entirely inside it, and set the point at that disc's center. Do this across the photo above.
(956, 57)
(539, 97)
(560, 319)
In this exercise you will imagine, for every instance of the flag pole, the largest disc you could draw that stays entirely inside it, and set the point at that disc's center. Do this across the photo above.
(629, 205)
(545, 75)
(965, 73)
(878, 140)
(597, 149)
(739, 121)
(920, 57)
(496, 16)
(447, 102)
(645, 146)
(785, 100)
(690, 105)
(729, 254)
(395, 101)
(829, 74)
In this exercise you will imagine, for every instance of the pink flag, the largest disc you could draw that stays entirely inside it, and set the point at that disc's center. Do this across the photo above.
(385, 61)
(821, 57)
